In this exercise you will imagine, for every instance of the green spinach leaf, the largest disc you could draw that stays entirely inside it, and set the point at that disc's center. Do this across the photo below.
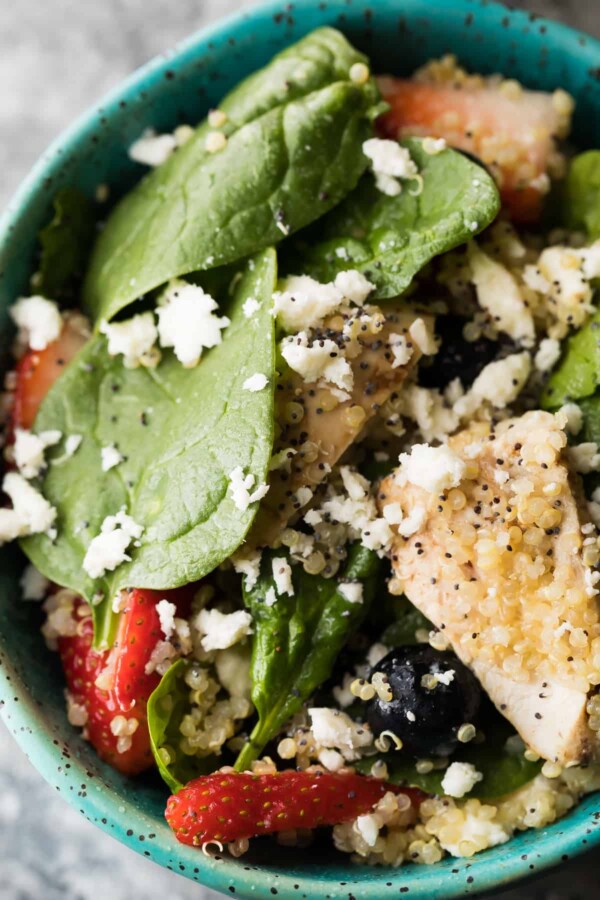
(65, 244)
(167, 706)
(578, 374)
(294, 148)
(408, 620)
(390, 239)
(182, 432)
(581, 196)
(297, 640)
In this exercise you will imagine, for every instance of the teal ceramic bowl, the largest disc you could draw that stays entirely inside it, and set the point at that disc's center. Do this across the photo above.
(180, 87)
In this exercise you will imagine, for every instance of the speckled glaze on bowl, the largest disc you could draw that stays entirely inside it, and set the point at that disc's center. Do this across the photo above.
(180, 87)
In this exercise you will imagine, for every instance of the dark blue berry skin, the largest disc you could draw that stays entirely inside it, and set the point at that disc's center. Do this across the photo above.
(438, 712)
(456, 358)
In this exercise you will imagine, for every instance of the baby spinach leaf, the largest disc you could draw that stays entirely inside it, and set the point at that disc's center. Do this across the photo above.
(65, 243)
(408, 620)
(182, 432)
(581, 195)
(294, 148)
(167, 706)
(297, 640)
(578, 374)
(390, 239)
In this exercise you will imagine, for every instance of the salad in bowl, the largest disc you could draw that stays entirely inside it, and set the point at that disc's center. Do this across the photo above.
(302, 445)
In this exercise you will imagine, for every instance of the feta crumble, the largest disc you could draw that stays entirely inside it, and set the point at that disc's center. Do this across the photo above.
(572, 417)
(352, 591)
(241, 485)
(585, 457)
(271, 597)
(432, 468)
(256, 382)
(547, 354)
(29, 450)
(152, 149)
(134, 339)
(72, 445)
(108, 549)
(498, 292)
(250, 306)
(222, 630)
(401, 352)
(282, 576)
(246, 561)
(460, 778)
(303, 302)
(336, 730)
(34, 585)
(39, 321)
(390, 163)
(423, 337)
(166, 616)
(31, 513)
(323, 359)
(110, 457)
(186, 321)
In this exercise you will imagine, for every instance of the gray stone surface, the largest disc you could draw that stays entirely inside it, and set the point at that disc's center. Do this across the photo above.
(56, 58)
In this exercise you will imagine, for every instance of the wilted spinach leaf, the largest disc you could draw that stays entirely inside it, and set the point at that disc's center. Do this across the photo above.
(294, 148)
(578, 374)
(181, 431)
(391, 238)
(297, 640)
(581, 195)
(407, 621)
(167, 706)
(65, 243)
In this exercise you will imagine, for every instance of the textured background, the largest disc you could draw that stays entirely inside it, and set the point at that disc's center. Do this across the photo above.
(56, 58)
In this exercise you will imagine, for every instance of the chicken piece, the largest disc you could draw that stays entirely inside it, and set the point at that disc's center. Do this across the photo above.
(502, 565)
(316, 425)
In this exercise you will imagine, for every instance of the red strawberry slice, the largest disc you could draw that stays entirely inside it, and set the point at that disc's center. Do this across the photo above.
(513, 135)
(37, 370)
(228, 806)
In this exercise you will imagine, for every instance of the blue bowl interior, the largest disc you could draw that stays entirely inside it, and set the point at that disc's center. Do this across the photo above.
(181, 87)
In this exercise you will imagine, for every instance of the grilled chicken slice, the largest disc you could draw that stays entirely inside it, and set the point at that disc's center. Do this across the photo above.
(502, 565)
(316, 425)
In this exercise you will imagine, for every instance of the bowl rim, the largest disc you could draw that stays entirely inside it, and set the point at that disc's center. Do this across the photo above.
(551, 846)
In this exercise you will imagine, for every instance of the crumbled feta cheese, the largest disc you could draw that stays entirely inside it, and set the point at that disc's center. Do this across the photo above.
(572, 416)
(352, 591)
(432, 468)
(460, 778)
(282, 576)
(34, 585)
(331, 760)
(389, 162)
(29, 450)
(585, 457)
(313, 517)
(186, 321)
(392, 513)
(108, 549)
(446, 677)
(76, 713)
(334, 729)
(250, 306)
(72, 444)
(429, 409)
(256, 382)
(357, 509)
(476, 830)
(246, 561)
(368, 828)
(414, 522)
(222, 630)
(400, 350)
(499, 294)
(110, 457)
(31, 513)
(166, 616)
(321, 360)
(39, 321)
(240, 486)
(133, 338)
(433, 146)
(152, 149)
(499, 383)
(547, 355)
(354, 286)
(303, 302)
(270, 597)
(423, 337)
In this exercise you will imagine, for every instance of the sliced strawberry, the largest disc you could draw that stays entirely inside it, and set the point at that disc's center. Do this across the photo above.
(229, 806)
(37, 370)
(511, 133)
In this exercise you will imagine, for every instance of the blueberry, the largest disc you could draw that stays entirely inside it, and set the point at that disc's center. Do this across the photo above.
(457, 358)
(426, 719)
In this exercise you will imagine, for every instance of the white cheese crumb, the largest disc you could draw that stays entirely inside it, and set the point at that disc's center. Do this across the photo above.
(282, 576)
(423, 337)
(585, 457)
(499, 294)
(499, 383)
(166, 616)
(250, 306)
(246, 561)
(367, 827)
(222, 630)
(352, 591)
(240, 486)
(400, 349)
(572, 416)
(460, 778)
(336, 730)
(255, 382)
(108, 549)
(410, 716)
(323, 359)
(446, 677)
(433, 468)
(433, 146)
(392, 513)
(354, 286)
(152, 149)
(303, 302)
(389, 162)
(313, 517)
(29, 450)
(72, 444)
(186, 321)
(133, 338)
(270, 597)
(414, 522)
(39, 321)
(547, 354)
(34, 585)
(31, 513)
(110, 457)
